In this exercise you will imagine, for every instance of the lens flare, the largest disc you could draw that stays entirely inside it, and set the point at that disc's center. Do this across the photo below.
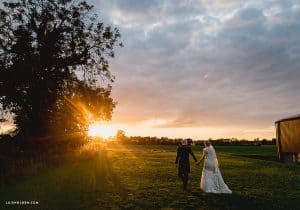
(101, 130)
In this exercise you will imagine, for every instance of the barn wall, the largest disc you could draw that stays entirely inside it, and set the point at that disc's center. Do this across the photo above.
(290, 136)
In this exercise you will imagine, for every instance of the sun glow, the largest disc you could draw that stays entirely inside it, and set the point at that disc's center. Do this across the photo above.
(101, 130)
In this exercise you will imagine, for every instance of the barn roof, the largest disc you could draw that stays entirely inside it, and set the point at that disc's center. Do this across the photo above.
(294, 117)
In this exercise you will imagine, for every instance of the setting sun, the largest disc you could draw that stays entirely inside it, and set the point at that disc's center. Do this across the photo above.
(101, 130)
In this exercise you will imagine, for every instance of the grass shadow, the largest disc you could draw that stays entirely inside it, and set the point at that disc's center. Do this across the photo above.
(234, 201)
(88, 183)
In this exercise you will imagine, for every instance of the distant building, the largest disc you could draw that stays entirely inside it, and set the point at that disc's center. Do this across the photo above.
(288, 139)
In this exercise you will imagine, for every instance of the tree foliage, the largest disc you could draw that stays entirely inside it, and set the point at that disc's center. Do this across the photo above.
(121, 136)
(53, 56)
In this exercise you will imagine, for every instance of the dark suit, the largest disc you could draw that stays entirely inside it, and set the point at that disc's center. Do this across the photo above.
(183, 154)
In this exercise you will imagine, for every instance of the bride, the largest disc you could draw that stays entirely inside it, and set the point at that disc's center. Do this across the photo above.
(211, 179)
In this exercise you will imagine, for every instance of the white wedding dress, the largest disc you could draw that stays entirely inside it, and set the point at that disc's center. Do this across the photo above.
(211, 179)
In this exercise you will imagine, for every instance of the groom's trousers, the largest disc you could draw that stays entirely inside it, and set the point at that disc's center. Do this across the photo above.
(184, 177)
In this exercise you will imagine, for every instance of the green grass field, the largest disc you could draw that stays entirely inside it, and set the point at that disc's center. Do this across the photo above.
(145, 177)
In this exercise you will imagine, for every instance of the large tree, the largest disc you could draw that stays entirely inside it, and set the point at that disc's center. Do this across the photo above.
(53, 56)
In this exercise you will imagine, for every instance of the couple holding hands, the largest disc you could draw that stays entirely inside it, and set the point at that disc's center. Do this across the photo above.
(211, 179)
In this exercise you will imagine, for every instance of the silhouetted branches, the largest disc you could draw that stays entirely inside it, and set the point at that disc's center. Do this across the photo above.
(44, 46)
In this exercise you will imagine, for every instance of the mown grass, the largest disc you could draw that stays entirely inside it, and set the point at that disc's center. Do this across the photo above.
(136, 176)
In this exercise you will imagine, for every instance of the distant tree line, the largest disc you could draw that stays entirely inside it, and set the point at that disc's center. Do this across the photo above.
(148, 140)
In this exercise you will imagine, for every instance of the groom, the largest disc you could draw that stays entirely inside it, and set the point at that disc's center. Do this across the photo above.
(183, 153)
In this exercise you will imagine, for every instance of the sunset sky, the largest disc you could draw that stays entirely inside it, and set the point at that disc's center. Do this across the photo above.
(205, 68)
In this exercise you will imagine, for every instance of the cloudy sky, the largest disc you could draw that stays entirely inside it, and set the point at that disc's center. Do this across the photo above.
(204, 68)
